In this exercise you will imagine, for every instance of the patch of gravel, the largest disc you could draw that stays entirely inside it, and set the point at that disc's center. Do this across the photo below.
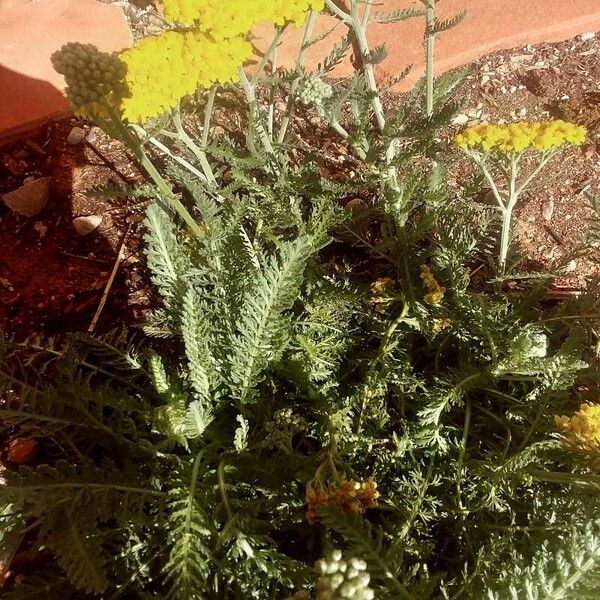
(142, 16)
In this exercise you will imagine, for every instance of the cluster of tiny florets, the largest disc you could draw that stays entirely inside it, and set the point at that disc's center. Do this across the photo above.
(343, 579)
(582, 430)
(349, 495)
(518, 137)
(435, 292)
(95, 80)
(282, 428)
(161, 70)
(237, 17)
(314, 91)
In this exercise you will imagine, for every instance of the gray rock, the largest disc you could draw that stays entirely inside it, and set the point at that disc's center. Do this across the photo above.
(76, 136)
(85, 225)
(31, 198)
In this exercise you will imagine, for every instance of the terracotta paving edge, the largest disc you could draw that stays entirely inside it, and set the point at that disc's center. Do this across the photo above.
(556, 32)
(32, 128)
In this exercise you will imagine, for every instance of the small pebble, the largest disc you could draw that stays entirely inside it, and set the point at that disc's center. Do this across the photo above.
(548, 209)
(85, 225)
(571, 266)
(460, 119)
(76, 136)
(31, 198)
(590, 35)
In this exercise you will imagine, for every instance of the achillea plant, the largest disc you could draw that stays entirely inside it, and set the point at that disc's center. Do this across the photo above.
(307, 356)
(499, 150)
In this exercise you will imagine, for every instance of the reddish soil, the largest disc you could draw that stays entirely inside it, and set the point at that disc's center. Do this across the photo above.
(52, 278)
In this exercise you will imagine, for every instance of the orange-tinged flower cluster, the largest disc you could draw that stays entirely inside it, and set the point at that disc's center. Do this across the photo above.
(582, 430)
(161, 70)
(351, 496)
(435, 292)
(518, 137)
(237, 17)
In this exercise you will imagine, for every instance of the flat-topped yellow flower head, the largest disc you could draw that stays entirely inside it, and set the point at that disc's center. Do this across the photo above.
(237, 17)
(582, 430)
(162, 70)
(518, 137)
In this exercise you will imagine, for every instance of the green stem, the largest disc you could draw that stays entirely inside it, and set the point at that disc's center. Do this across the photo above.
(306, 38)
(178, 159)
(430, 49)
(254, 111)
(360, 31)
(208, 112)
(507, 210)
(223, 489)
(165, 189)
(461, 455)
(170, 196)
(198, 152)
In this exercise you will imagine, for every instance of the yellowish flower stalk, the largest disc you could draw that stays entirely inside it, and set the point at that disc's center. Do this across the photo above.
(501, 147)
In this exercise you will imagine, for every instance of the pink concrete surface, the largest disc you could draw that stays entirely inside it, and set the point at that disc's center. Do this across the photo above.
(30, 31)
(490, 25)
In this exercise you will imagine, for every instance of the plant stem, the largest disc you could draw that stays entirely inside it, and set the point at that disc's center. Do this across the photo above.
(306, 38)
(430, 48)
(165, 150)
(254, 111)
(507, 210)
(208, 112)
(170, 196)
(360, 31)
(198, 152)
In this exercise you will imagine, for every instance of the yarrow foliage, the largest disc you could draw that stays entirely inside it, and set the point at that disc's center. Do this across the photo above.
(582, 430)
(518, 137)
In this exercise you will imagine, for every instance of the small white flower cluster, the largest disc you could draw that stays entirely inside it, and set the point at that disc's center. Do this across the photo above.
(314, 91)
(343, 580)
(284, 425)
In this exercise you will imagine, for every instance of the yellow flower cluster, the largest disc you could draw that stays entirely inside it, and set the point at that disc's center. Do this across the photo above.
(518, 137)
(435, 292)
(236, 17)
(582, 430)
(161, 70)
(351, 496)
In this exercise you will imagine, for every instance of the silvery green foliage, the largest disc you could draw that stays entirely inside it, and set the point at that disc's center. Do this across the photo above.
(343, 579)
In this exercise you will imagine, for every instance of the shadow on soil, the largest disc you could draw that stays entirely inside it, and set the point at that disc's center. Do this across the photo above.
(52, 278)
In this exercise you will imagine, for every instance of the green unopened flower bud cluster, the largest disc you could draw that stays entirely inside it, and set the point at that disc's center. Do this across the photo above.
(343, 580)
(314, 91)
(95, 80)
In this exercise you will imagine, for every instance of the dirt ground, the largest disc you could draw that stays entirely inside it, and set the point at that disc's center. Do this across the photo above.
(52, 279)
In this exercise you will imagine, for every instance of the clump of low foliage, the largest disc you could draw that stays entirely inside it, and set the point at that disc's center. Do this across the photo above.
(344, 344)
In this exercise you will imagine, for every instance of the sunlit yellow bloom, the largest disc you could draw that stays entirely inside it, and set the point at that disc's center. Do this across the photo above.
(582, 430)
(162, 70)
(441, 324)
(435, 292)
(237, 17)
(518, 137)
